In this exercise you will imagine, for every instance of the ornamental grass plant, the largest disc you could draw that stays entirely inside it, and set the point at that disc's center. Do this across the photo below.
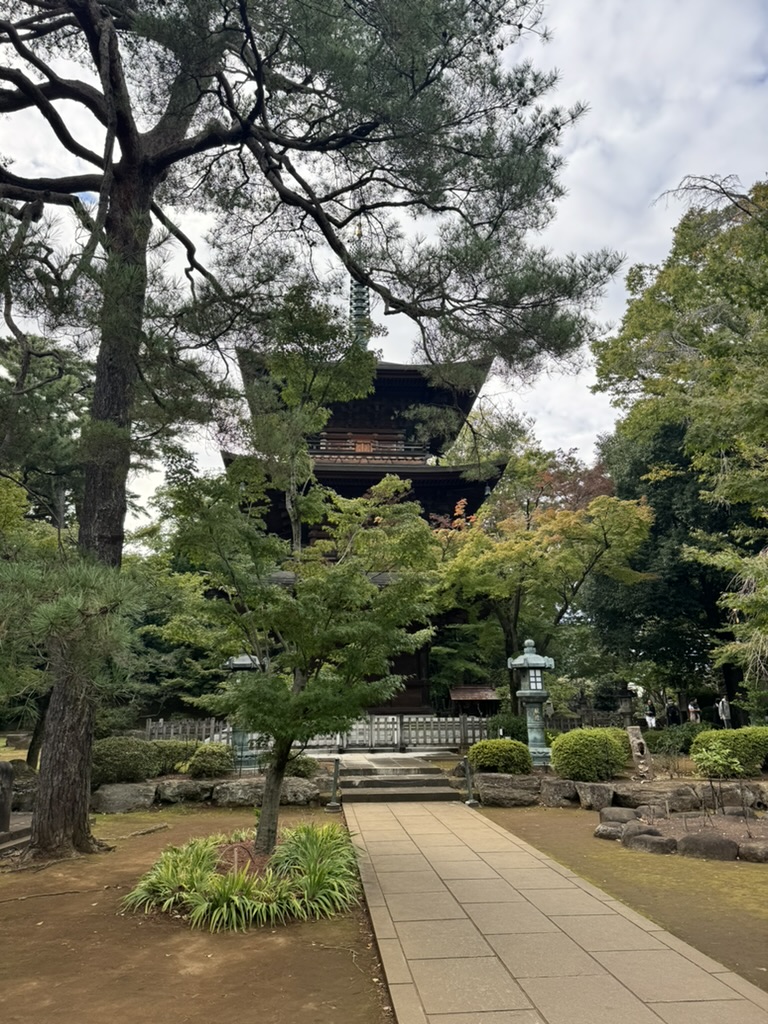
(312, 874)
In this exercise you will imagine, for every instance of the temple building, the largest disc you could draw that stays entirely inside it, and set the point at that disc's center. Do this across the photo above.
(383, 433)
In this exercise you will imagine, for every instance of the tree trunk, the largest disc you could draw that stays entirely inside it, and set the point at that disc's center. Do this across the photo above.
(60, 826)
(36, 743)
(60, 822)
(266, 833)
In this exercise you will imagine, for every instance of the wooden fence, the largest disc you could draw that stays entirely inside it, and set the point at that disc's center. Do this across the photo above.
(375, 732)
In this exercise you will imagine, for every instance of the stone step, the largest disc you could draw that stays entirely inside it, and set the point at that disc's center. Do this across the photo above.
(17, 839)
(413, 793)
(388, 771)
(393, 781)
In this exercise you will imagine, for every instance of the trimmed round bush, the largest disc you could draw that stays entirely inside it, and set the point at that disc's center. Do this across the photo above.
(587, 755)
(749, 746)
(210, 760)
(621, 737)
(511, 757)
(123, 759)
(172, 753)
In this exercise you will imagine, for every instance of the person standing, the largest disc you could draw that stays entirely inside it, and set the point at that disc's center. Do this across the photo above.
(724, 712)
(650, 714)
(673, 713)
(694, 711)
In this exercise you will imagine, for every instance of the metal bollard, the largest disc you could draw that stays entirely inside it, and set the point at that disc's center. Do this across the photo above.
(470, 801)
(333, 806)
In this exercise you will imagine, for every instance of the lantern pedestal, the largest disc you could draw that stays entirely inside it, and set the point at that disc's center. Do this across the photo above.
(533, 701)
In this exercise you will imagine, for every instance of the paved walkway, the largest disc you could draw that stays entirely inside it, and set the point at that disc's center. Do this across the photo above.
(477, 927)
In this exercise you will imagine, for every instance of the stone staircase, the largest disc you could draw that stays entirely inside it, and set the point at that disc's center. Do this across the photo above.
(393, 783)
(18, 836)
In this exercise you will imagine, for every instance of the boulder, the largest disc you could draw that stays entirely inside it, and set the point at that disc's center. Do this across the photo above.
(739, 812)
(707, 847)
(25, 783)
(622, 814)
(755, 850)
(759, 792)
(647, 843)
(637, 828)
(507, 790)
(726, 795)
(121, 797)
(594, 796)
(558, 793)
(250, 792)
(18, 740)
(651, 811)
(630, 794)
(609, 830)
(175, 791)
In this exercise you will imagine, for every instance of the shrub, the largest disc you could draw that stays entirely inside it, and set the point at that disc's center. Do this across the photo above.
(123, 759)
(748, 746)
(621, 737)
(676, 737)
(587, 755)
(511, 727)
(210, 760)
(299, 767)
(172, 753)
(508, 756)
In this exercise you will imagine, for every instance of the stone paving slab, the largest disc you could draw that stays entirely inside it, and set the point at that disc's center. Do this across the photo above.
(475, 926)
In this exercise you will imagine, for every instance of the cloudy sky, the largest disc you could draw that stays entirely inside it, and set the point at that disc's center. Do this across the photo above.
(674, 87)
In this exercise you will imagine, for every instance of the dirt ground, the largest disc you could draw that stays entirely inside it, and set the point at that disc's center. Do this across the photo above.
(737, 828)
(70, 955)
(719, 907)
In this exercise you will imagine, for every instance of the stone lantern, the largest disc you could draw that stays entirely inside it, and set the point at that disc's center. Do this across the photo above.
(241, 663)
(533, 697)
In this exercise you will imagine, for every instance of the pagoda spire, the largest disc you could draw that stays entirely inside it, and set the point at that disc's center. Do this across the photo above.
(359, 303)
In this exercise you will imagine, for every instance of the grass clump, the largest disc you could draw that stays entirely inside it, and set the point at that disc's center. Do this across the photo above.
(511, 757)
(588, 755)
(312, 874)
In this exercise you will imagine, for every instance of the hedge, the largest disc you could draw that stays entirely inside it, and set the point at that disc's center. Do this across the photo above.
(749, 746)
(123, 759)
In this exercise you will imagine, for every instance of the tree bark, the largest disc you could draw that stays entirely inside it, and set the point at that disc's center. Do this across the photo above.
(60, 825)
(60, 822)
(36, 743)
(266, 833)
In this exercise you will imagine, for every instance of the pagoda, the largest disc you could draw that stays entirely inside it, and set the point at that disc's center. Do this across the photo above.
(383, 433)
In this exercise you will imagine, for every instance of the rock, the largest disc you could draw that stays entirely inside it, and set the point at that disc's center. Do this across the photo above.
(18, 740)
(507, 790)
(755, 851)
(609, 830)
(683, 798)
(630, 794)
(25, 783)
(651, 811)
(558, 793)
(121, 797)
(739, 812)
(637, 828)
(726, 795)
(250, 792)
(622, 814)
(707, 847)
(648, 843)
(174, 791)
(759, 792)
(594, 796)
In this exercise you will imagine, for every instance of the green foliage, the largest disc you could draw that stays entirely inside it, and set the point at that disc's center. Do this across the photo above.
(588, 755)
(508, 756)
(211, 760)
(508, 726)
(172, 753)
(716, 761)
(313, 874)
(749, 747)
(675, 737)
(621, 737)
(298, 766)
(123, 759)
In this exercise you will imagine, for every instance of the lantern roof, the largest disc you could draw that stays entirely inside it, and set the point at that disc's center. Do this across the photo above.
(530, 659)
